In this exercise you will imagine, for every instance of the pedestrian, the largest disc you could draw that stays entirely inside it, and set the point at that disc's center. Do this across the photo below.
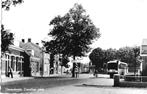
(95, 73)
(76, 71)
(41, 72)
(10, 72)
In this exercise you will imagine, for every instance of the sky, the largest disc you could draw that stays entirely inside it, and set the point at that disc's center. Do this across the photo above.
(121, 22)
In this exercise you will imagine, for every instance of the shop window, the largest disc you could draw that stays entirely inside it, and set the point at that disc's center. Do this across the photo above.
(18, 64)
(12, 63)
(37, 67)
(3, 65)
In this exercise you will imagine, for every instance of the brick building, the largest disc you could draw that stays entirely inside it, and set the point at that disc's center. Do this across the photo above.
(13, 58)
(35, 55)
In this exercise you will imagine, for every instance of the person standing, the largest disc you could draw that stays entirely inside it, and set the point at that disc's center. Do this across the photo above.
(10, 72)
(96, 73)
(76, 71)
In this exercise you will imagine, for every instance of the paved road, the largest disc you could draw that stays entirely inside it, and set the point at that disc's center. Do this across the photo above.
(39, 84)
(86, 84)
(101, 85)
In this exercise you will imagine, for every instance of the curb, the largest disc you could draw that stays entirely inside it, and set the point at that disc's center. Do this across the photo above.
(122, 83)
(132, 84)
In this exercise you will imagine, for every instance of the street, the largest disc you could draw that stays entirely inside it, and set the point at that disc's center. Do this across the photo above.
(85, 84)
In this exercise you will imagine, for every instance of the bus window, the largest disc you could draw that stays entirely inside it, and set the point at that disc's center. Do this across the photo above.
(112, 66)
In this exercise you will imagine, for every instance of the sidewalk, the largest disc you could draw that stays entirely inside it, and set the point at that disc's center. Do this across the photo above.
(17, 78)
(8, 80)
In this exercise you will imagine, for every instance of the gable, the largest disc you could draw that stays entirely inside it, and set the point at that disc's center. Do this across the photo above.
(31, 46)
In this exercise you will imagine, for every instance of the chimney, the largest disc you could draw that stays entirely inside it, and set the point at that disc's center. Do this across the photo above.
(29, 39)
(23, 41)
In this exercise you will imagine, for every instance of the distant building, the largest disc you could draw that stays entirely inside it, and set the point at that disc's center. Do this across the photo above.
(13, 58)
(143, 54)
(34, 61)
(84, 68)
(55, 65)
(46, 64)
(29, 59)
(37, 62)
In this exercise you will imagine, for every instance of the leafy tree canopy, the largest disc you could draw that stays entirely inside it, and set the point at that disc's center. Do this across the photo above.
(129, 55)
(64, 61)
(73, 33)
(7, 3)
(97, 56)
(7, 39)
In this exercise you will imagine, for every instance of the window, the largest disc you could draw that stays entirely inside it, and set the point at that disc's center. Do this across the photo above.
(12, 62)
(122, 66)
(37, 67)
(112, 66)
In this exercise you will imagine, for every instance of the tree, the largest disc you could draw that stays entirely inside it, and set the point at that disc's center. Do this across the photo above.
(65, 61)
(5, 36)
(7, 39)
(126, 54)
(129, 55)
(99, 56)
(96, 57)
(7, 3)
(110, 54)
(136, 51)
(72, 34)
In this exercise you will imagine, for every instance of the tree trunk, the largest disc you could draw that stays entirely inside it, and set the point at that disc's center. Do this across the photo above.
(73, 69)
(135, 68)
(61, 69)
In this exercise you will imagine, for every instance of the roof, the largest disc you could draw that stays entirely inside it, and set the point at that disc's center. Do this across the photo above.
(32, 46)
(144, 42)
(112, 61)
(16, 48)
(29, 45)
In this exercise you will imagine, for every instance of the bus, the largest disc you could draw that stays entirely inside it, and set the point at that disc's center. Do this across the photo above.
(116, 67)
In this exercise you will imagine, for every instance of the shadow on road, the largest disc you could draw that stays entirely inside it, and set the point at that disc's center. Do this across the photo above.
(96, 86)
(107, 87)
(99, 77)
